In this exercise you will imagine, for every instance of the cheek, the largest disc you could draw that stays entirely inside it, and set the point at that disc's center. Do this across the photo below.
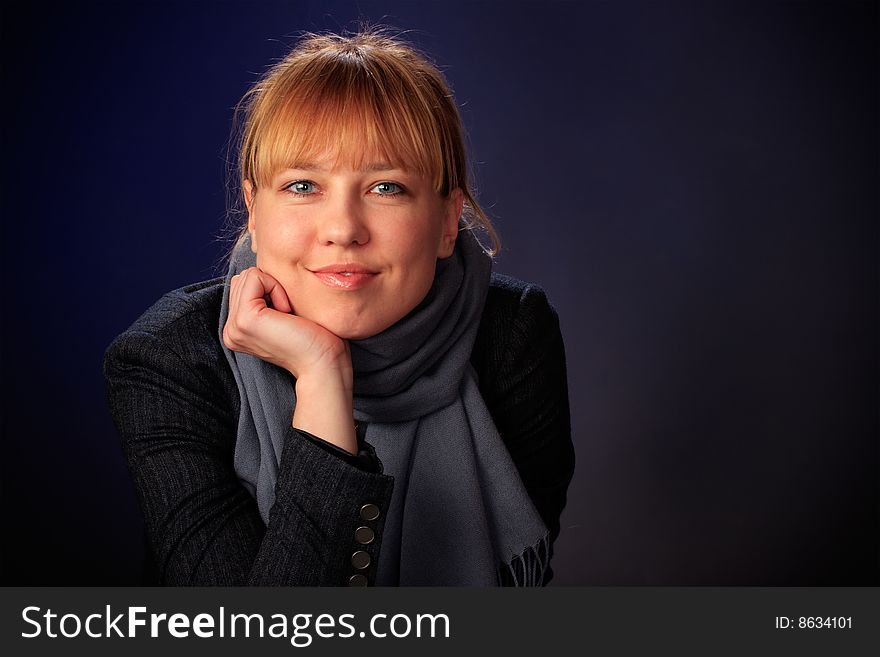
(281, 241)
(418, 241)
(419, 262)
(281, 254)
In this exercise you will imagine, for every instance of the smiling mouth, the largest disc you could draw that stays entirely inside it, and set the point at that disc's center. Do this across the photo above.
(345, 280)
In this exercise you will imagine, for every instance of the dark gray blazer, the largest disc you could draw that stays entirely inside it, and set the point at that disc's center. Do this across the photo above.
(175, 405)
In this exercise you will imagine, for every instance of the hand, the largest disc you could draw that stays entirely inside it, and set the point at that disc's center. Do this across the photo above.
(319, 359)
(273, 333)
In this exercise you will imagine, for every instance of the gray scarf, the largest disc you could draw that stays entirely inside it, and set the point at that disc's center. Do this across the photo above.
(459, 515)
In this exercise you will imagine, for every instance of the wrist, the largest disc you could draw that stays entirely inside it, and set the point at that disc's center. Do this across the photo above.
(324, 381)
(324, 408)
(328, 363)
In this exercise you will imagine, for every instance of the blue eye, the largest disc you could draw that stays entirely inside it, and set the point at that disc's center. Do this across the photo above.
(387, 189)
(302, 187)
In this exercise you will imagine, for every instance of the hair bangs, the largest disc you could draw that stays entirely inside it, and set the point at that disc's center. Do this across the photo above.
(357, 123)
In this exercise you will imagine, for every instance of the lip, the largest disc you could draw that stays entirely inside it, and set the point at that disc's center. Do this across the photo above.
(345, 276)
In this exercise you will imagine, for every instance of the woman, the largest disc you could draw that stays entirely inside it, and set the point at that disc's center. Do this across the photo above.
(359, 401)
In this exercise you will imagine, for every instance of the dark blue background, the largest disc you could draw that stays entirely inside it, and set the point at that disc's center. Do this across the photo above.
(695, 186)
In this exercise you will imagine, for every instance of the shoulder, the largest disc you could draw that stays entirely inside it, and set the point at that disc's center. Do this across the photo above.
(515, 311)
(175, 337)
(198, 303)
(181, 317)
(515, 305)
(517, 318)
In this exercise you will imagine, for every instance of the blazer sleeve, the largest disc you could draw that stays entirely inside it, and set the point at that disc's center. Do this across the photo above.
(178, 432)
(529, 402)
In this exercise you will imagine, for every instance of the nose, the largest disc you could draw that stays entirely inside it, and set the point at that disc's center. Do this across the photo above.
(342, 223)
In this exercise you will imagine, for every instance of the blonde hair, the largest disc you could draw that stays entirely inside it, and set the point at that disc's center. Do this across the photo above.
(360, 94)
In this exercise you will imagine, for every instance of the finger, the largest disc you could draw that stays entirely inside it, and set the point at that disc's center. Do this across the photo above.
(249, 286)
(276, 292)
(233, 286)
(232, 314)
(226, 339)
(253, 290)
(235, 294)
(260, 285)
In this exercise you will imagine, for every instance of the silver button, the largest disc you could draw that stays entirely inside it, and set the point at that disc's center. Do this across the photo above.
(360, 560)
(364, 535)
(369, 512)
(357, 580)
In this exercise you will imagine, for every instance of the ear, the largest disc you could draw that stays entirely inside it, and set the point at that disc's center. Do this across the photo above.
(454, 204)
(249, 192)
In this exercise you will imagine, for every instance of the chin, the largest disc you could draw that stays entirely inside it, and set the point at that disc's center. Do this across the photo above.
(350, 328)
(355, 335)
(347, 331)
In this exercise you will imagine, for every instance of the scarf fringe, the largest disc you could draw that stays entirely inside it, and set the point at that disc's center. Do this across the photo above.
(528, 568)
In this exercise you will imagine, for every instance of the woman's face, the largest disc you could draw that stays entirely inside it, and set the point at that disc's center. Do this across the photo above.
(355, 249)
